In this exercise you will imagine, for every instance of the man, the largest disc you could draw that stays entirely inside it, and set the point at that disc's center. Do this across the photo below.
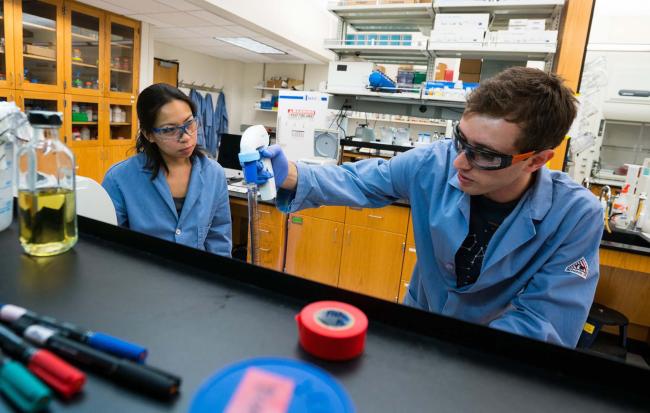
(501, 239)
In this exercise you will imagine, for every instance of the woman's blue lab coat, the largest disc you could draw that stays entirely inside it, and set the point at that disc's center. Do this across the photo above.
(147, 206)
(540, 269)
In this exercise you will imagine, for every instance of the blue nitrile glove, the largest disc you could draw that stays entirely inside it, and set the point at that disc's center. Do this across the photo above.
(278, 161)
(262, 174)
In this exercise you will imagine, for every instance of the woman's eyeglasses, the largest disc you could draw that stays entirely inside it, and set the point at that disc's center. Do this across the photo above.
(169, 133)
(484, 158)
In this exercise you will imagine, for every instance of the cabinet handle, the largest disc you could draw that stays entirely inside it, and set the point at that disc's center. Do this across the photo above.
(11, 77)
(356, 208)
(412, 250)
(264, 249)
(347, 237)
(375, 216)
(403, 246)
(261, 211)
(336, 231)
(264, 230)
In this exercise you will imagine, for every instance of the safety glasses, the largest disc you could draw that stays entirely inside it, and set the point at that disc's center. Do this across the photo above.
(169, 133)
(483, 158)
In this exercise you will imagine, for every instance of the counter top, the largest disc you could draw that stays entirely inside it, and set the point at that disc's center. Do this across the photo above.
(198, 312)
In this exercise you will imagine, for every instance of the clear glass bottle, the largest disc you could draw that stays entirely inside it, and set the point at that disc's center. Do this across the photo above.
(46, 189)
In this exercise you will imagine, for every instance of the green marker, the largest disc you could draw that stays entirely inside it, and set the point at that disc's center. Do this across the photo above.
(24, 390)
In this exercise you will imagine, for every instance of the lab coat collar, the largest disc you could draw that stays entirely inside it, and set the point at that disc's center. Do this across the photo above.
(516, 230)
(193, 190)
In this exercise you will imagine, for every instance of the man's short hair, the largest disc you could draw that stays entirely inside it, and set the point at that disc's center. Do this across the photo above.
(538, 102)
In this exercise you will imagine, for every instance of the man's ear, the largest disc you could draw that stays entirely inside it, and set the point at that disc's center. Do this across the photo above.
(539, 159)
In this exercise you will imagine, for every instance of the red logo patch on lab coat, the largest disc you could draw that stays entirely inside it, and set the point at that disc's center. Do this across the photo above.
(579, 268)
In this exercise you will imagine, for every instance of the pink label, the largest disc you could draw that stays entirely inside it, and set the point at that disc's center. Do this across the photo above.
(261, 392)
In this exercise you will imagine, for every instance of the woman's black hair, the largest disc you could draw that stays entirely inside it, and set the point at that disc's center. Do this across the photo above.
(149, 103)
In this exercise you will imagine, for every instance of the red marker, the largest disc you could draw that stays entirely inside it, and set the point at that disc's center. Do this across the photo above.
(59, 375)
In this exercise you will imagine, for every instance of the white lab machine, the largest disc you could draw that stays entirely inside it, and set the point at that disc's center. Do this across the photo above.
(348, 76)
(300, 114)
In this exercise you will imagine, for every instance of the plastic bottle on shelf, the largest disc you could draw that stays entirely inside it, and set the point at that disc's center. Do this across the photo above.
(85, 133)
(89, 113)
(77, 80)
(621, 208)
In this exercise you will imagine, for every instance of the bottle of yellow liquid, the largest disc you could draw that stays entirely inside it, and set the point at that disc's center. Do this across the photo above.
(46, 189)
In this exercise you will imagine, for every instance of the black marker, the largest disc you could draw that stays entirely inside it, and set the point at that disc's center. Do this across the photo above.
(101, 341)
(125, 372)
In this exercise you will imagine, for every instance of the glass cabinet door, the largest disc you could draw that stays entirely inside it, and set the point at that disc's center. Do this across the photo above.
(123, 45)
(84, 49)
(41, 45)
(6, 95)
(84, 120)
(6, 45)
(27, 101)
(121, 115)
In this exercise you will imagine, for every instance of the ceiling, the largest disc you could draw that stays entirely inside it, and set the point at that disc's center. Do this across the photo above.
(193, 27)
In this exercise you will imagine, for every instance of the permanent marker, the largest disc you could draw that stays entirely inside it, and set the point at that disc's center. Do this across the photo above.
(125, 372)
(62, 377)
(19, 386)
(17, 315)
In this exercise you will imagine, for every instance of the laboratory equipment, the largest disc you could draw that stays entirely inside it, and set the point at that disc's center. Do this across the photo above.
(46, 189)
(364, 133)
(228, 155)
(254, 139)
(11, 126)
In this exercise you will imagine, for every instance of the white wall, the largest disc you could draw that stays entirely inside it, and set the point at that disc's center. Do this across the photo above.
(200, 68)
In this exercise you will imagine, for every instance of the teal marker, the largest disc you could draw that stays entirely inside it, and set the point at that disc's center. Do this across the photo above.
(25, 391)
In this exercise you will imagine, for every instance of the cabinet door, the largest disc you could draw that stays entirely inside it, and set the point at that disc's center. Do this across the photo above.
(121, 127)
(390, 218)
(81, 121)
(39, 40)
(7, 95)
(115, 154)
(84, 50)
(7, 70)
(333, 213)
(27, 101)
(371, 262)
(314, 248)
(89, 162)
(410, 258)
(123, 56)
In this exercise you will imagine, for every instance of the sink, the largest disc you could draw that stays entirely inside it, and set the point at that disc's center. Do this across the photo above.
(627, 237)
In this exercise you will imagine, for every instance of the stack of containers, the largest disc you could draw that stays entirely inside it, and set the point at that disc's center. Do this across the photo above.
(464, 28)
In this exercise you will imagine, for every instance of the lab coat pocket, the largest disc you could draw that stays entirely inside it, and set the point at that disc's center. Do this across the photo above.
(203, 233)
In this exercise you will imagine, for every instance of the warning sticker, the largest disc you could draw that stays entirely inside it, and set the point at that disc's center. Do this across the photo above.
(579, 268)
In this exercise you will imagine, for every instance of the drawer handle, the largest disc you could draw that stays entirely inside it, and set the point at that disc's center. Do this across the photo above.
(356, 208)
(261, 211)
(336, 231)
(264, 230)
(264, 249)
(375, 216)
(411, 249)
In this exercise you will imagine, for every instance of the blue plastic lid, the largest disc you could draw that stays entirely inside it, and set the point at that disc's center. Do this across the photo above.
(118, 347)
(314, 390)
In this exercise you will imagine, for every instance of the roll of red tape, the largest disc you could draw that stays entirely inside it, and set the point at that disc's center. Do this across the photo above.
(332, 330)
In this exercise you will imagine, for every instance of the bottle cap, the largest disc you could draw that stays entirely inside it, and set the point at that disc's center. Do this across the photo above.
(42, 117)
(61, 376)
(24, 390)
(118, 347)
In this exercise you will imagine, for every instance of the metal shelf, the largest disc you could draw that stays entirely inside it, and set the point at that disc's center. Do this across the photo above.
(407, 122)
(416, 53)
(411, 17)
(539, 8)
(503, 51)
(266, 110)
(405, 104)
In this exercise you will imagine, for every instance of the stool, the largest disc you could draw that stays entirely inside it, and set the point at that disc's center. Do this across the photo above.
(599, 316)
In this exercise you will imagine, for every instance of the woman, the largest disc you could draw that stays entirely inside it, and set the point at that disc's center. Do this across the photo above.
(170, 189)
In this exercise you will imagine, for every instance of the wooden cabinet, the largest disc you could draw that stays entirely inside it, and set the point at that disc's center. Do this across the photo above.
(390, 218)
(7, 69)
(7, 95)
(272, 234)
(410, 258)
(121, 122)
(332, 213)
(38, 45)
(28, 100)
(314, 246)
(89, 162)
(371, 262)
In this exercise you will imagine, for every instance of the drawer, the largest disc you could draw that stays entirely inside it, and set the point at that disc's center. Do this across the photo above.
(332, 213)
(391, 218)
(270, 215)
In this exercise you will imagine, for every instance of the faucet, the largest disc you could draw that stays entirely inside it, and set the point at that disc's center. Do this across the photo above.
(606, 191)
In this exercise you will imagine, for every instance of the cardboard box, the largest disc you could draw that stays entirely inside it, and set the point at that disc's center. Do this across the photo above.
(40, 51)
(470, 66)
(469, 77)
(461, 21)
(294, 83)
(440, 71)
